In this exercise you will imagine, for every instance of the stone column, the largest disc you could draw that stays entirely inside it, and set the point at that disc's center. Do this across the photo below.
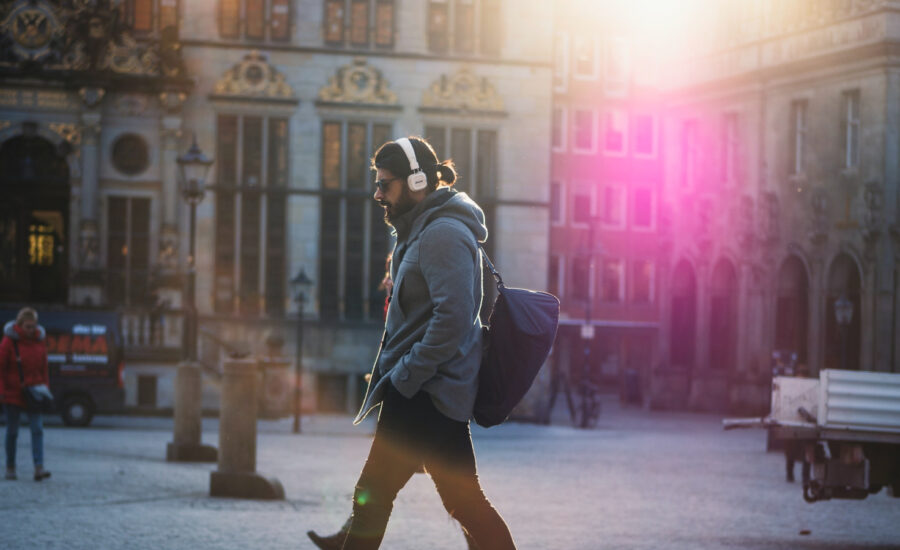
(186, 445)
(89, 243)
(170, 138)
(236, 475)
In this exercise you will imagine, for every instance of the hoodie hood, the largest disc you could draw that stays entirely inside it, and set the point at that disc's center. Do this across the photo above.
(15, 333)
(443, 202)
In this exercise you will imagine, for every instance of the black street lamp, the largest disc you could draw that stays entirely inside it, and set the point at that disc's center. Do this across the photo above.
(843, 313)
(301, 285)
(193, 167)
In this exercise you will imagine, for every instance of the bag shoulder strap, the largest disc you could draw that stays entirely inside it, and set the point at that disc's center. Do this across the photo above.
(19, 362)
(490, 265)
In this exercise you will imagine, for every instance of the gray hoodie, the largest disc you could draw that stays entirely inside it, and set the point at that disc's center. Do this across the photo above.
(432, 337)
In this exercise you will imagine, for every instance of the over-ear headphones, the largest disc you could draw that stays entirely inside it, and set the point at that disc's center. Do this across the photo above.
(418, 180)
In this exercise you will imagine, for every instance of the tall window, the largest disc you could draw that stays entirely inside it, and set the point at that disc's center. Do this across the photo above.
(615, 132)
(559, 129)
(464, 26)
(612, 285)
(690, 148)
(644, 135)
(730, 148)
(128, 251)
(560, 62)
(580, 285)
(359, 23)
(148, 16)
(850, 123)
(613, 206)
(584, 51)
(616, 68)
(582, 205)
(557, 202)
(354, 242)
(643, 208)
(251, 215)
(255, 19)
(642, 282)
(798, 136)
(584, 131)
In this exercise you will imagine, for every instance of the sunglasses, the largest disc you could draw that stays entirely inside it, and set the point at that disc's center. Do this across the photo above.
(382, 184)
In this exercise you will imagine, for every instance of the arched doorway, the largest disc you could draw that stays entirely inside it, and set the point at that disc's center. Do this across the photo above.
(843, 342)
(723, 317)
(683, 326)
(34, 215)
(792, 309)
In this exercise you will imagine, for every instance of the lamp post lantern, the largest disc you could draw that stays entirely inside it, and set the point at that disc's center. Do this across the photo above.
(193, 167)
(843, 313)
(300, 284)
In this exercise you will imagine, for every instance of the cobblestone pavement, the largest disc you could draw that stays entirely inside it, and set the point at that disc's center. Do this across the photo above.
(639, 480)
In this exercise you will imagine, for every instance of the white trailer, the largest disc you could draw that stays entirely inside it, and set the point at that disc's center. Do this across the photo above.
(848, 423)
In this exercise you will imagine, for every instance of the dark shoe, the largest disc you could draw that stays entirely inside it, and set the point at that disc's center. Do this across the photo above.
(40, 474)
(332, 542)
(11, 475)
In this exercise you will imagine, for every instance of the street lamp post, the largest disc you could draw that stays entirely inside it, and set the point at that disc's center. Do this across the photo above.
(301, 284)
(193, 167)
(590, 403)
(843, 313)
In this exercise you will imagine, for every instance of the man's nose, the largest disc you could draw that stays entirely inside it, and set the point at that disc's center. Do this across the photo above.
(378, 194)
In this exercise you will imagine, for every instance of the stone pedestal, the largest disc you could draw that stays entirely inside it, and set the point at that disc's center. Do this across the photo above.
(186, 445)
(236, 475)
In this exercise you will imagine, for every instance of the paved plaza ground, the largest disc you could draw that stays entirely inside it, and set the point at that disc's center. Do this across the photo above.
(641, 480)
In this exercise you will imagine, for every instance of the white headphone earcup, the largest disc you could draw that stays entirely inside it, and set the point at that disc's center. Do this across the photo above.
(417, 181)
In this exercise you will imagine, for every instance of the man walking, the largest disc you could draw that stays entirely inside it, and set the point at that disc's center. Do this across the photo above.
(426, 374)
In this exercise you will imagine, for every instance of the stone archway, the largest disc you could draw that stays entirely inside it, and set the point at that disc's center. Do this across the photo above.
(683, 321)
(723, 317)
(34, 220)
(843, 280)
(792, 309)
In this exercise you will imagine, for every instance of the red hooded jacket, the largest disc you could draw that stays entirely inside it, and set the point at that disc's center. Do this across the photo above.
(33, 352)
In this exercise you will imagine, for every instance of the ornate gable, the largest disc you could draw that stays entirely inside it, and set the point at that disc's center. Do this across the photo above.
(254, 78)
(358, 84)
(463, 92)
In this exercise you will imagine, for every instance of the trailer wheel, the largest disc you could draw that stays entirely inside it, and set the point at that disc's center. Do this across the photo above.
(77, 410)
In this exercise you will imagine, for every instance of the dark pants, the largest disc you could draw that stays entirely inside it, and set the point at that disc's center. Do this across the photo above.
(13, 415)
(412, 433)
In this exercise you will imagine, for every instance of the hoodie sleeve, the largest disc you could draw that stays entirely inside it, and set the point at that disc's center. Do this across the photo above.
(447, 260)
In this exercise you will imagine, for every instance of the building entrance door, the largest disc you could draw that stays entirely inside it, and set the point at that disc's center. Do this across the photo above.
(34, 214)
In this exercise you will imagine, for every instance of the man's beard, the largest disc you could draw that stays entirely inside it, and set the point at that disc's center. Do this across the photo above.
(392, 212)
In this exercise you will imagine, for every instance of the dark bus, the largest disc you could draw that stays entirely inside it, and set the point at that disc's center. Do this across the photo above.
(84, 350)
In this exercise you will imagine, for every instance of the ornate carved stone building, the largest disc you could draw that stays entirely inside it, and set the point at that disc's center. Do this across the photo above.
(291, 97)
(780, 199)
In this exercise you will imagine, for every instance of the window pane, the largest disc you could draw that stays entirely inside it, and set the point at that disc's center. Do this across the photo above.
(612, 206)
(581, 207)
(143, 15)
(331, 155)
(643, 282)
(580, 278)
(252, 152)
(168, 13)
(250, 239)
(585, 56)
(357, 159)
(116, 251)
(461, 152)
(643, 139)
(280, 20)
(278, 152)
(229, 18)
(437, 27)
(614, 131)
(353, 278)
(436, 136)
(584, 129)
(465, 26)
(378, 251)
(643, 207)
(256, 19)
(139, 270)
(611, 288)
(384, 23)
(359, 22)
(329, 249)
(491, 31)
(381, 134)
(334, 21)
(487, 164)
(276, 214)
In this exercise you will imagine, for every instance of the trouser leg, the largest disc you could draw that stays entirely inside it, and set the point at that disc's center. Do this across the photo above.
(12, 434)
(36, 423)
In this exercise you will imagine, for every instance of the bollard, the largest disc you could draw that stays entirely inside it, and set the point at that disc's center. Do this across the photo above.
(186, 445)
(236, 474)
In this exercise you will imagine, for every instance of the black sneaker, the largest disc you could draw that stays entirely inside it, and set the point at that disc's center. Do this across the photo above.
(40, 474)
(332, 542)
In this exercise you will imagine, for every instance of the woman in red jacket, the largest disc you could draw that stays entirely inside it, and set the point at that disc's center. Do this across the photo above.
(28, 336)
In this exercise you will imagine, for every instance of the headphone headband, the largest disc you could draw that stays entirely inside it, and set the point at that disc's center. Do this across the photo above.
(417, 180)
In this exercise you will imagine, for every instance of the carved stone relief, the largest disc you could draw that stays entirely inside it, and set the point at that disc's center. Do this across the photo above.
(253, 78)
(358, 83)
(464, 91)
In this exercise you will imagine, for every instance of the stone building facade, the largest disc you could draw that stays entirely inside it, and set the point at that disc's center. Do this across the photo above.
(780, 199)
(290, 97)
